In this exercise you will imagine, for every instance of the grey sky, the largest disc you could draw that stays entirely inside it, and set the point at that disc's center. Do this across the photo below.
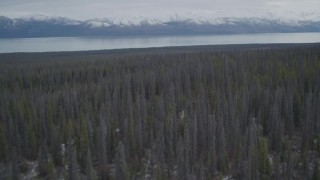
(85, 9)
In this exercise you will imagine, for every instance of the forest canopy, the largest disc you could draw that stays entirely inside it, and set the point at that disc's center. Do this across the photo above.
(241, 113)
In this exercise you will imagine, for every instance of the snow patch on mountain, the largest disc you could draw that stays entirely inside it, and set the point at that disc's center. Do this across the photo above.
(215, 18)
(44, 26)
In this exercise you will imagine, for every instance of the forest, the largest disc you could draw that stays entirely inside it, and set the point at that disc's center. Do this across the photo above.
(213, 113)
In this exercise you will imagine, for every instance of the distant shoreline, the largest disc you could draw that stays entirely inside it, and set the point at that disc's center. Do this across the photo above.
(167, 49)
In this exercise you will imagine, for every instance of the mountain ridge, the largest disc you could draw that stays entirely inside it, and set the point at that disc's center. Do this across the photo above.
(45, 26)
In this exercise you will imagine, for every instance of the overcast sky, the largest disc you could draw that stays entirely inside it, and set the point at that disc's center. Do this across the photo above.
(86, 9)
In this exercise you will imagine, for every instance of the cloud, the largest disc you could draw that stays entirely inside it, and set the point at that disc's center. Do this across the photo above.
(84, 9)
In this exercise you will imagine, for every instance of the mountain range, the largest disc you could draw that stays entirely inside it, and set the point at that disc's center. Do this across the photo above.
(44, 26)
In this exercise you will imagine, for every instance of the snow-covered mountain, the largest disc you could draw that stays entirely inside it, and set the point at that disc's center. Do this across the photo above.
(44, 26)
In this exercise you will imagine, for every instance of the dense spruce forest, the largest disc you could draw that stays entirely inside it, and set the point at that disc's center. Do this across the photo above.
(231, 113)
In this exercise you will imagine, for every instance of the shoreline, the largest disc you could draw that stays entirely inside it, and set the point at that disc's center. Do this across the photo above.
(170, 49)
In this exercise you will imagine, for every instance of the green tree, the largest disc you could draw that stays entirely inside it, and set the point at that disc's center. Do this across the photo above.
(316, 172)
(83, 142)
(264, 162)
(3, 144)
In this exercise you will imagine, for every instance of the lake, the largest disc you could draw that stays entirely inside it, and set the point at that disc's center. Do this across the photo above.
(52, 44)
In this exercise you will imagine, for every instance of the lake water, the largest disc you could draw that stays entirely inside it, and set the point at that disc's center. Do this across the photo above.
(98, 43)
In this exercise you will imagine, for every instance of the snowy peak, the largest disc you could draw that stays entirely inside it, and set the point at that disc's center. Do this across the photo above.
(44, 26)
(122, 22)
(126, 21)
